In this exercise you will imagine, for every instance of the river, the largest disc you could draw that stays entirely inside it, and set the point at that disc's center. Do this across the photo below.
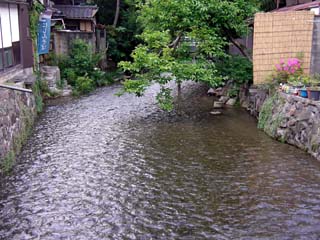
(107, 167)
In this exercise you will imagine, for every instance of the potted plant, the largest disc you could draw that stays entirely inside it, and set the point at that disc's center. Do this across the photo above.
(303, 92)
(295, 84)
(304, 81)
(314, 90)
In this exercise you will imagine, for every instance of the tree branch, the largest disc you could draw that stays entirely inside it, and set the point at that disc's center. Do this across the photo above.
(175, 43)
(116, 17)
(241, 48)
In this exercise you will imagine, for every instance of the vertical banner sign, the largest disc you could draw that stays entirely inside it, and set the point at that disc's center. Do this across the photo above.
(44, 33)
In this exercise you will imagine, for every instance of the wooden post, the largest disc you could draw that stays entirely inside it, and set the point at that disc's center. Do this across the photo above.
(278, 3)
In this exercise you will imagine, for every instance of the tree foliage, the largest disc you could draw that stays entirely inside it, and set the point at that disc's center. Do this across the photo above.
(122, 37)
(181, 40)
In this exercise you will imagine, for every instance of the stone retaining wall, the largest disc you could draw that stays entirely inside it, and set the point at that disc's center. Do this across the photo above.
(252, 99)
(17, 114)
(295, 120)
(287, 118)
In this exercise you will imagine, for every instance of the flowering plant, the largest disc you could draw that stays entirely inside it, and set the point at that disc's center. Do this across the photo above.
(291, 68)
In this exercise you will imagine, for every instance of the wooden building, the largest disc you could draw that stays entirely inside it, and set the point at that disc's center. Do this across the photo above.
(15, 41)
(75, 19)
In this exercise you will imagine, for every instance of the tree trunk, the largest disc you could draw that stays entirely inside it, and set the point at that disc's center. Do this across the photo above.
(241, 49)
(116, 17)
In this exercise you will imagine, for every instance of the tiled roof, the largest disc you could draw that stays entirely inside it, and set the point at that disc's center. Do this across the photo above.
(75, 12)
(299, 7)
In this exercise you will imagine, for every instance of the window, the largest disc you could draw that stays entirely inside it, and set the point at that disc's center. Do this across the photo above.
(8, 58)
(10, 51)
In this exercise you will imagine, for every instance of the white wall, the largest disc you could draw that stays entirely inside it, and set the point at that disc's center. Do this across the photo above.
(10, 24)
(14, 15)
(5, 26)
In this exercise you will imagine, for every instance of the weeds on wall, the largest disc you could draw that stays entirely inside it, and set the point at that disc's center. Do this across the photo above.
(27, 119)
(8, 163)
(34, 16)
(268, 121)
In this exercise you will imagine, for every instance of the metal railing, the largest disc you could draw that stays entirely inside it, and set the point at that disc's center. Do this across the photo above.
(15, 88)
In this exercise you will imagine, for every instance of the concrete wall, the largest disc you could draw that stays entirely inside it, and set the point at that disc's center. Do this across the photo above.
(62, 40)
(17, 114)
(315, 53)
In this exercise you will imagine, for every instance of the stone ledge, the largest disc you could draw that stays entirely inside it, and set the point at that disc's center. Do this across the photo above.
(10, 73)
(305, 101)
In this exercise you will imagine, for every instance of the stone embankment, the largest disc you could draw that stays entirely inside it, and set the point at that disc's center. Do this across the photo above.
(287, 118)
(17, 114)
(18, 110)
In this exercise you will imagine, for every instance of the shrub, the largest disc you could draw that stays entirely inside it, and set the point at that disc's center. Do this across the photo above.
(83, 85)
(70, 76)
(81, 59)
(236, 68)
(80, 68)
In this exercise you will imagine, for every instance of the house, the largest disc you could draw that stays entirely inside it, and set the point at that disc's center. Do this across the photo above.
(289, 3)
(16, 51)
(75, 19)
(281, 6)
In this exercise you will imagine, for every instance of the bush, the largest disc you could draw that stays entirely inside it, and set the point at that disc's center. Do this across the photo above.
(70, 76)
(80, 68)
(236, 68)
(83, 85)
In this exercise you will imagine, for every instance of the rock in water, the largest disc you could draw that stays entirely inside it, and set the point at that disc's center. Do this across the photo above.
(231, 102)
(210, 92)
(217, 104)
(215, 113)
(224, 99)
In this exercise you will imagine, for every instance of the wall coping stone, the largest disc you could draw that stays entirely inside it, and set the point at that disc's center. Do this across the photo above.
(300, 99)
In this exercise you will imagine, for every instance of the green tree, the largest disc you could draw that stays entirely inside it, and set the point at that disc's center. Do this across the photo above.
(120, 17)
(181, 40)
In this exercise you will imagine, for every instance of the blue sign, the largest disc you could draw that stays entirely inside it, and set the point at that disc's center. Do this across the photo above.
(44, 35)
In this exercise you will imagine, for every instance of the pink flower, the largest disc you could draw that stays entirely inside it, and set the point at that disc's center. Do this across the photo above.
(292, 65)
(278, 67)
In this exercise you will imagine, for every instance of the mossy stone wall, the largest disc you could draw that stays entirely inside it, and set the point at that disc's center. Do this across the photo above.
(17, 114)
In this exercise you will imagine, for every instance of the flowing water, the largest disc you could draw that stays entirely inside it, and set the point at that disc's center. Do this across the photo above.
(103, 167)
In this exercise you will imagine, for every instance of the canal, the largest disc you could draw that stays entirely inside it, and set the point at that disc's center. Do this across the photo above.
(104, 167)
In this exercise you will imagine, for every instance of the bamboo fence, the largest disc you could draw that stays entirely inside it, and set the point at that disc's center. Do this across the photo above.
(281, 36)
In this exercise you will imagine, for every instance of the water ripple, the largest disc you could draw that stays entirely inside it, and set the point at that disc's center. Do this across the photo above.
(103, 167)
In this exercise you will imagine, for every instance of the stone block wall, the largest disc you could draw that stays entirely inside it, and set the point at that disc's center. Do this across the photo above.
(17, 114)
(252, 99)
(297, 122)
(51, 74)
(293, 120)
